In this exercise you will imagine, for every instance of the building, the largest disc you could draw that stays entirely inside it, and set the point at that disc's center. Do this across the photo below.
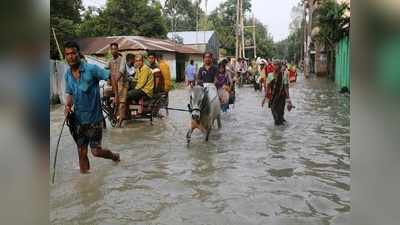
(316, 53)
(177, 55)
(204, 41)
(342, 64)
(342, 61)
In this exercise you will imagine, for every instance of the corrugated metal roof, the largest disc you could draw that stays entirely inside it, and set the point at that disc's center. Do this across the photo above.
(193, 37)
(97, 61)
(101, 45)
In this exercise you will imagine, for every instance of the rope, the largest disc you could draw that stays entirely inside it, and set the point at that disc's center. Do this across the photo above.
(181, 110)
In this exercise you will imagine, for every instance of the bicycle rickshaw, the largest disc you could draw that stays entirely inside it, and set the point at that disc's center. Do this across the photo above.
(145, 108)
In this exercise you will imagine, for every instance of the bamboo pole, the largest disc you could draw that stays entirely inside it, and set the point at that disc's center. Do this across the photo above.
(254, 36)
(197, 22)
(205, 23)
(55, 67)
(242, 29)
(237, 30)
(58, 46)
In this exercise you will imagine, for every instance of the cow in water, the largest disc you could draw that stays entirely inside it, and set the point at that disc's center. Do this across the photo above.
(205, 108)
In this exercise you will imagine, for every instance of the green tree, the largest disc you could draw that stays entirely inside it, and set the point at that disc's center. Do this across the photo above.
(126, 17)
(223, 21)
(94, 23)
(180, 15)
(264, 40)
(281, 49)
(295, 45)
(119, 17)
(64, 14)
(331, 20)
(296, 37)
(66, 9)
(291, 48)
(334, 24)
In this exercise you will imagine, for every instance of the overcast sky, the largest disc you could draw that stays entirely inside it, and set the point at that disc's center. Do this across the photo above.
(273, 13)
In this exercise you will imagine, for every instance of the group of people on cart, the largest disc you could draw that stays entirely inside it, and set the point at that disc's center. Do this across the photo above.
(133, 80)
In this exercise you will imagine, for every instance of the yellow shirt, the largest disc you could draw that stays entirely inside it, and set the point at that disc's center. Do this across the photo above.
(164, 67)
(145, 80)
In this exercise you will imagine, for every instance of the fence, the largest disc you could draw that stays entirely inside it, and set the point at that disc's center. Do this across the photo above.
(342, 70)
(57, 81)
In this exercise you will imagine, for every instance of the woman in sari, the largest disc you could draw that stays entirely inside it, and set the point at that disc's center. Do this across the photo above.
(277, 93)
(223, 82)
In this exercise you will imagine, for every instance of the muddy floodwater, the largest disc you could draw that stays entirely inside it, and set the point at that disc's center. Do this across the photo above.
(250, 171)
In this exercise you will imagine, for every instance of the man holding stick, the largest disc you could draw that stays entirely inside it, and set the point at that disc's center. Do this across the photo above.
(83, 94)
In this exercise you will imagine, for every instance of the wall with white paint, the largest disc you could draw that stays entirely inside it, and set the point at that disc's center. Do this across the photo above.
(171, 60)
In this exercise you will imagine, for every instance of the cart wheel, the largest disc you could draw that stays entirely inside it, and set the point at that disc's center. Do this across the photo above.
(108, 111)
(113, 122)
(155, 109)
(165, 105)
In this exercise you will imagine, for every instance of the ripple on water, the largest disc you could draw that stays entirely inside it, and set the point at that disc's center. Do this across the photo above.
(250, 172)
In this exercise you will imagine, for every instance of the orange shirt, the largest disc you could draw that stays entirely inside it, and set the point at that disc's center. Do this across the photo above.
(292, 74)
(166, 73)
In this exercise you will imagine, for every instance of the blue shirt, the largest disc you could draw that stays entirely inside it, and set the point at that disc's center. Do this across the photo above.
(86, 92)
(190, 72)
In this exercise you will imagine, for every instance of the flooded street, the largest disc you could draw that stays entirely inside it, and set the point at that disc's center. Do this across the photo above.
(250, 171)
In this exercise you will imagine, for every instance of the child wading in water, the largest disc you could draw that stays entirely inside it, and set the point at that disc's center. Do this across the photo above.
(222, 82)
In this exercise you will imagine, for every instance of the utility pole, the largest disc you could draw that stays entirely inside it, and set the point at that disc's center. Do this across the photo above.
(254, 36)
(307, 37)
(205, 23)
(242, 29)
(175, 6)
(240, 43)
(304, 45)
(197, 21)
(253, 47)
(301, 50)
(237, 51)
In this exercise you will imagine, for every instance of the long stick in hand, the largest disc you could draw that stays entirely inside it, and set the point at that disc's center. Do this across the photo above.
(55, 156)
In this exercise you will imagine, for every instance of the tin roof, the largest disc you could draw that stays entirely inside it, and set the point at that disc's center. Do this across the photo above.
(101, 45)
(193, 37)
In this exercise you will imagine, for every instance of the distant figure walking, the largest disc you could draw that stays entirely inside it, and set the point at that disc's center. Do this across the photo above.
(263, 75)
(190, 74)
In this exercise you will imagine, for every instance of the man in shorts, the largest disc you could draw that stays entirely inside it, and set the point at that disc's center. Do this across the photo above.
(83, 94)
